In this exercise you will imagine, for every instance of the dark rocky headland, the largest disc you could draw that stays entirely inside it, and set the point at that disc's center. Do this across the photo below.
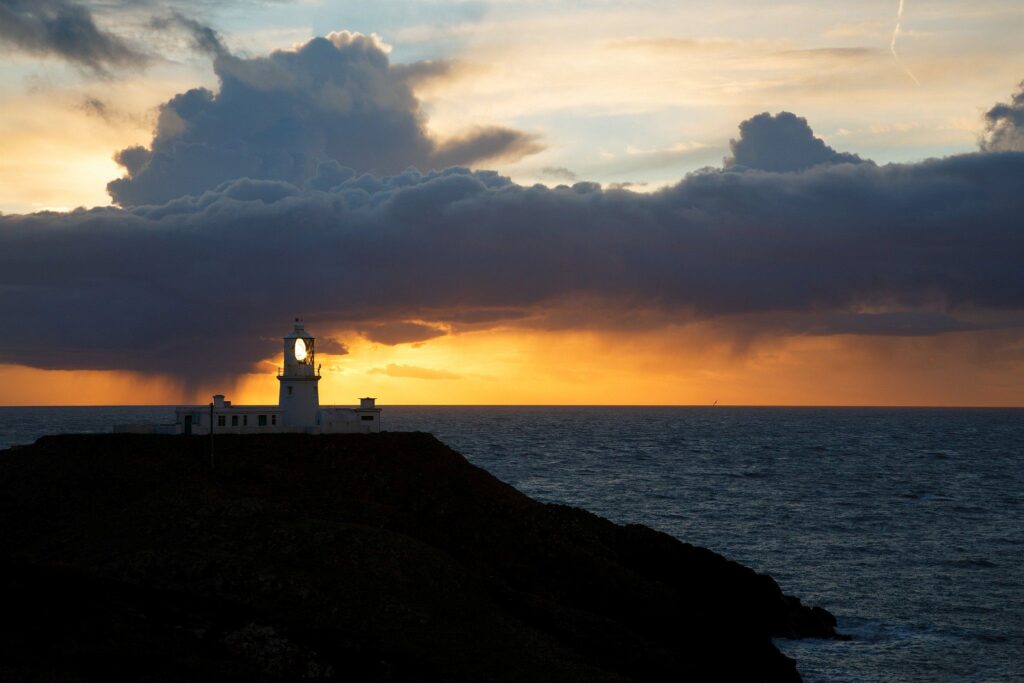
(361, 558)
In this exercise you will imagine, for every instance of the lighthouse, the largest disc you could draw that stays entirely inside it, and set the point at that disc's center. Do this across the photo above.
(299, 397)
(298, 409)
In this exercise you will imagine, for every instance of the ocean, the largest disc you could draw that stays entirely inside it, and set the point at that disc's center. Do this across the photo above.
(908, 524)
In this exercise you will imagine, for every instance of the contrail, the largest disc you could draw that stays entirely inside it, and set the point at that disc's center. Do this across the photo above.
(892, 45)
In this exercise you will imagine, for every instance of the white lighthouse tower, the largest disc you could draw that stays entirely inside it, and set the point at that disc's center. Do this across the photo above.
(300, 378)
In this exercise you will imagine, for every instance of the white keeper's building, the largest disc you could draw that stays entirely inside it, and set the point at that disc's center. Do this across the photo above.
(298, 408)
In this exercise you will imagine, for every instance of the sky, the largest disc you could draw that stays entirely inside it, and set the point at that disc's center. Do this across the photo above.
(502, 202)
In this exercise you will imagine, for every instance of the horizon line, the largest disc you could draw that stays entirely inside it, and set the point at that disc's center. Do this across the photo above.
(569, 405)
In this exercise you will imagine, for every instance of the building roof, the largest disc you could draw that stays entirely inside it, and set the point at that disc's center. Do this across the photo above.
(206, 406)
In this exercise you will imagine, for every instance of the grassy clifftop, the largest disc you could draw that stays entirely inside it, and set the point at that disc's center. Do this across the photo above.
(368, 558)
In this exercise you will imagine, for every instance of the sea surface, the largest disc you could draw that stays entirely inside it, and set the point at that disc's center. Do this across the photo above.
(908, 524)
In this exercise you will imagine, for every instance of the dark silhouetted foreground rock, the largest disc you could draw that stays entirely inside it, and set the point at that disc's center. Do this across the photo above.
(364, 558)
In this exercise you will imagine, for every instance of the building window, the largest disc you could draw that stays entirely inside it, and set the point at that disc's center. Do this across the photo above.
(220, 421)
(197, 419)
(262, 420)
(234, 420)
(290, 390)
(245, 420)
(273, 419)
(367, 418)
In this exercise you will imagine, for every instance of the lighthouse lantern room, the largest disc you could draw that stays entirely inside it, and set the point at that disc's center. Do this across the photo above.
(299, 396)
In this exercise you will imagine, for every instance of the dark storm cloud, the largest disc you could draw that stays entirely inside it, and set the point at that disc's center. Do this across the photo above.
(483, 316)
(1004, 125)
(332, 346)
(781, 143)
(892, 324)
(197, 285)
(485, 143)
(401, 332)
(66, 30)
(280, 117)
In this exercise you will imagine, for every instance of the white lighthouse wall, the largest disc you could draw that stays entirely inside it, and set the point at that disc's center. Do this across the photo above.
(299, 400)
(229, 419)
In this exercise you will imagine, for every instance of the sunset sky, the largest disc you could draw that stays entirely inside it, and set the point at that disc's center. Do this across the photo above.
(504, 202)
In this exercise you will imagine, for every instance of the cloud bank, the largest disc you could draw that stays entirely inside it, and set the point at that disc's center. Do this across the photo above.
(333, 100)
(193, 287)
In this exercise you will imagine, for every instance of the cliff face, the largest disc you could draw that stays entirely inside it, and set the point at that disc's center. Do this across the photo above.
(381, 557)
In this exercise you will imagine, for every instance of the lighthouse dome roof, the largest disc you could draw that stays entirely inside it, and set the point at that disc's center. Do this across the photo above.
(299, 332)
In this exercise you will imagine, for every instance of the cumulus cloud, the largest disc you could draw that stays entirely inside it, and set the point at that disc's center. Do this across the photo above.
(1004, 125)
(65, 30)
(782, 143)
(279, 117)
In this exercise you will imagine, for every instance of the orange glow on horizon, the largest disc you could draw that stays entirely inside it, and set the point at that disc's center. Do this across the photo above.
(24, 386)
(689, 365)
